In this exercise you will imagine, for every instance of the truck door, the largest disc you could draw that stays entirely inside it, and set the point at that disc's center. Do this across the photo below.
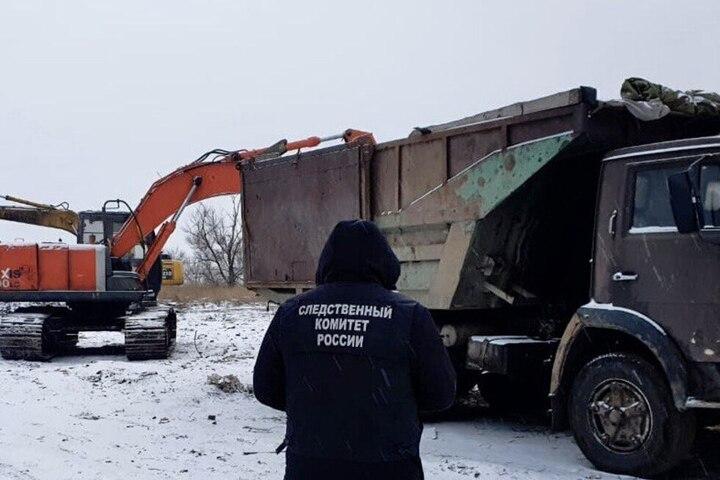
(644, 264)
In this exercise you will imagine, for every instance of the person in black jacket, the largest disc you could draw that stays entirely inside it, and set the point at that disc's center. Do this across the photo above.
(352, 363)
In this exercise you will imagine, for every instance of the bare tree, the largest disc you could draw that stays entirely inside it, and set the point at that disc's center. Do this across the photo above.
(215, 238)
(176, 253)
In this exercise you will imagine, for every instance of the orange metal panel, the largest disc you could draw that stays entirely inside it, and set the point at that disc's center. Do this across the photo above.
(18, 267)
(82, 268)
(53, 266)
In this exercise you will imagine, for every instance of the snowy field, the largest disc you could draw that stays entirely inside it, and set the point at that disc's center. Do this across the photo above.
(98, 416)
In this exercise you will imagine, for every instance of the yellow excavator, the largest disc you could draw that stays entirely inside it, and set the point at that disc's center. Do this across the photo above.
(61, 217)
(54, 216)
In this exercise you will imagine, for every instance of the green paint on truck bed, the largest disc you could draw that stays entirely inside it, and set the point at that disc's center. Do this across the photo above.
(496, 176)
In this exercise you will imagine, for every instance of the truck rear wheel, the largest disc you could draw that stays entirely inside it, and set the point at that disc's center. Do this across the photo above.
(623, 417)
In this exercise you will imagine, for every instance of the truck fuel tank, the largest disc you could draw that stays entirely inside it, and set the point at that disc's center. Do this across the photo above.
(508, 354)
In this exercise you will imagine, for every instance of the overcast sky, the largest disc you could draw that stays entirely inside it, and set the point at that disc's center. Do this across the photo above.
(99, 98)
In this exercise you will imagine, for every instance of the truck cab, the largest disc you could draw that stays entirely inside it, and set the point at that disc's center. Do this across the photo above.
(641, 259)
(639, 363)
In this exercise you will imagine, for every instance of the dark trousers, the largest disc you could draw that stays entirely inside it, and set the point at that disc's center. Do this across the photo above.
(308, 468)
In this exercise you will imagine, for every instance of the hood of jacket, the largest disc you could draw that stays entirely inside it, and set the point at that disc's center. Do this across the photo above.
(356, 251)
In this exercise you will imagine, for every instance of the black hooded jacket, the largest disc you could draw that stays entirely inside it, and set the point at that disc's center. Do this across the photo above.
(352, 362)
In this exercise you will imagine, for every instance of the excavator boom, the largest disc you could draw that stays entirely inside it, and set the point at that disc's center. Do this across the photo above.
(40, 214)
(167, 195)
(196, 182)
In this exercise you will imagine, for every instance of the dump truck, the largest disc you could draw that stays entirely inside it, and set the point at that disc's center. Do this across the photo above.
(543, 239)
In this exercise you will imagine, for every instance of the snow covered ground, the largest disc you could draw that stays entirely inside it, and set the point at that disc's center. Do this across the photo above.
(98, 416)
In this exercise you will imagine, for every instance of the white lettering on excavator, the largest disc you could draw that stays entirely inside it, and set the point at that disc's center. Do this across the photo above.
(335, 330)
(10, 277)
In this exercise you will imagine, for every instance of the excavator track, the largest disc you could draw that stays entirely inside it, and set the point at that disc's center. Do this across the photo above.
(150, 334)
(25, 336)
(66, 341)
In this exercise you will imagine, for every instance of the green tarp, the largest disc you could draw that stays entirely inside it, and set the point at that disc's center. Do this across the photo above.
(650, 101)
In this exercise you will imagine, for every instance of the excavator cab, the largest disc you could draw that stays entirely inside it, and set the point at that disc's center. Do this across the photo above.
(99, 228)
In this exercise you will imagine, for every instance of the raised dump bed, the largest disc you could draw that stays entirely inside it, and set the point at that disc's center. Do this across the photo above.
(600, 306)
(471, 208)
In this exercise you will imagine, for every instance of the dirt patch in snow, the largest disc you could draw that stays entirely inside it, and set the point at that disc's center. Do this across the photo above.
(229, 384)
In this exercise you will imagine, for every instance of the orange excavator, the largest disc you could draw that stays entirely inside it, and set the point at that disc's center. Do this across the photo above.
(110, 279)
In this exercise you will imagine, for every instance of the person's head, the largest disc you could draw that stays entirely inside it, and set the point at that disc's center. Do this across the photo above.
(356, 251)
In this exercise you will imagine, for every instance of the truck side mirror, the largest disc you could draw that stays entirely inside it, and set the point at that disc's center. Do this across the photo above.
(682, 200)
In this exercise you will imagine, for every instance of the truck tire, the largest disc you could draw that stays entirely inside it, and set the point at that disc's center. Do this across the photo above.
(624, 419)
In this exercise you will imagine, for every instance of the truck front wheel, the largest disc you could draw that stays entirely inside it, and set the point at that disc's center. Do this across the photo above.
(623, 417)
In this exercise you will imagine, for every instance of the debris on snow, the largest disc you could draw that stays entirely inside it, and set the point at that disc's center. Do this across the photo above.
(88, 416)
(229, 384)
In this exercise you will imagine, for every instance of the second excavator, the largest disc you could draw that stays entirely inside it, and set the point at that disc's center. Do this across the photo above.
(26, 211)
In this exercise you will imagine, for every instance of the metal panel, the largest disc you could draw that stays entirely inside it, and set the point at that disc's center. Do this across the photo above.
(290, 205)
(385, 180)
(425, 157)
(465, 149)
(474, 192)
(434, 165)
(550, 102)
(528, 131)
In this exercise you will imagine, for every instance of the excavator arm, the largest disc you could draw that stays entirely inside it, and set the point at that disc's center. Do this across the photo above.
(195, 182)
(33, 213)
